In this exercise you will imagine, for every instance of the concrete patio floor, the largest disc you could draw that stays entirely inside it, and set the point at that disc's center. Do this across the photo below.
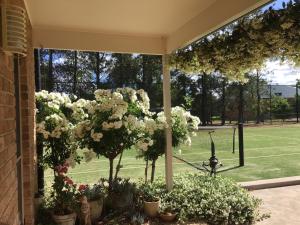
(283, 203)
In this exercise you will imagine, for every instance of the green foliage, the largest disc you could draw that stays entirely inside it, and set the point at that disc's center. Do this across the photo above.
(280, 107)
(197, 197)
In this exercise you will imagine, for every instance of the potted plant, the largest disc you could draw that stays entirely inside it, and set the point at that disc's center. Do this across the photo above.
(122, 194)
(151, 201)
(95, 195)
(63, 197)
(167, 214)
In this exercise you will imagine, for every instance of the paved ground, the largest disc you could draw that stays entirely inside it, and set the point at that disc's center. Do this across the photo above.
(283, 203)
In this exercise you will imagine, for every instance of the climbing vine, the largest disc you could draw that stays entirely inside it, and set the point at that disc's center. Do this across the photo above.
(246, 44)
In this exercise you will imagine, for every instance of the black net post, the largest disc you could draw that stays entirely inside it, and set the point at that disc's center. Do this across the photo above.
(270, 102)
(297, 100)
(39, 147)
(241, 127)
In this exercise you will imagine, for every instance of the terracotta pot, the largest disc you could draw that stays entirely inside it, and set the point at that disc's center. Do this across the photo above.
(151, 208)
(96, 207)
(65, 219)
(167, 217)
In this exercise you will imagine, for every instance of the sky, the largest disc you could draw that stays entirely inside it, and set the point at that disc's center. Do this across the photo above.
(278, 73)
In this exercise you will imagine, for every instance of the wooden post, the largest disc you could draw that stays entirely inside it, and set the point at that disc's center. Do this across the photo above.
(167, 111)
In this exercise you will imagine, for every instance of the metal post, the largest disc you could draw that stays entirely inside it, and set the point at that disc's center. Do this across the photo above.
(240, 126)
(241, 104)
(167, 111)
(297, 100)
(270, 101)
(39, 147)
(241, 144)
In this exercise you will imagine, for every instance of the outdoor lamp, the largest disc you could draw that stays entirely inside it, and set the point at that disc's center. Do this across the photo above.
(13, 29)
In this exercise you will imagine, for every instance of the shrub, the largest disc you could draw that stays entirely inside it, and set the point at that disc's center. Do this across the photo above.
(197, 197)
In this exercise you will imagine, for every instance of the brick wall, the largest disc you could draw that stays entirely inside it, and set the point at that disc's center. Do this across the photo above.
(8, 178)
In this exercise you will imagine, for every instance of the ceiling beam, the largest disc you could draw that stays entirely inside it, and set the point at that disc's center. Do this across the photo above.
(219, 14)
(86, 41)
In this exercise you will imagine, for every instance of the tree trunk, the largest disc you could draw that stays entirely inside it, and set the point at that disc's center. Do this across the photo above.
(153, 170)
(50, 71)
(111, 173)
(223, 101)
(75, 73)
(146, 170)
(98, 70)
(204, 99)
(118, 167)
(258, 98)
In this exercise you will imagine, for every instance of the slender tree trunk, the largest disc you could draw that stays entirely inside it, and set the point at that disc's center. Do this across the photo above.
(111, 173)
(146, 170)
(98, 70)
(118, 167)
(153, 170)
(75, 73)
(204, 99)
(223, 101)
(258, 98)
(50, 71)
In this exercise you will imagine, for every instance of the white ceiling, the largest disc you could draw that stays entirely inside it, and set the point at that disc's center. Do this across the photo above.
(137, 17)
(141, 26)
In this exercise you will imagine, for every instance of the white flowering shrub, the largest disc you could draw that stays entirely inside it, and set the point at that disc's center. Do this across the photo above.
(54, 128)
(111, 123)
(153, 144)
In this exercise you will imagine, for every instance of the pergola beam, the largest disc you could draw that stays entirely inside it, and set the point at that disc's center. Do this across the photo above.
(86, 41)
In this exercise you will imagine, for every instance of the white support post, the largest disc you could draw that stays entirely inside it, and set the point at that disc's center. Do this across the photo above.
(167, 111)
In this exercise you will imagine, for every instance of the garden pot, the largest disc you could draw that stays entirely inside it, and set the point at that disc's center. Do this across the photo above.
(151, 208)
(167, 217)
(64, 219)
(96, 207)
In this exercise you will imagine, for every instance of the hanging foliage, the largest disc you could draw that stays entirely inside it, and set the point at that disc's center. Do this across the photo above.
(246, 44)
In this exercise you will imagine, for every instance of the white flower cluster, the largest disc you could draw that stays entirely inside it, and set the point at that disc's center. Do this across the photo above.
(184, 121)
(54, 100)
(54, 126)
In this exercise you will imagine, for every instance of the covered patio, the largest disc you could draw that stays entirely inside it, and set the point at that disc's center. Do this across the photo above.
(148, 27)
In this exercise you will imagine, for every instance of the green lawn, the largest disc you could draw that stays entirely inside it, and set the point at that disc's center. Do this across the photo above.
(270, 152)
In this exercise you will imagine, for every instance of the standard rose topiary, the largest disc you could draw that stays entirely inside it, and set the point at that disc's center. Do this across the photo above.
(197, 197)
(111, 123)
(182, 125)
(54, 129)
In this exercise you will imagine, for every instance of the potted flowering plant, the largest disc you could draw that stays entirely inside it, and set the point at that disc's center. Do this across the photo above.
(54, 129)
(95, 195)
(111, 123)
(63, 197)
